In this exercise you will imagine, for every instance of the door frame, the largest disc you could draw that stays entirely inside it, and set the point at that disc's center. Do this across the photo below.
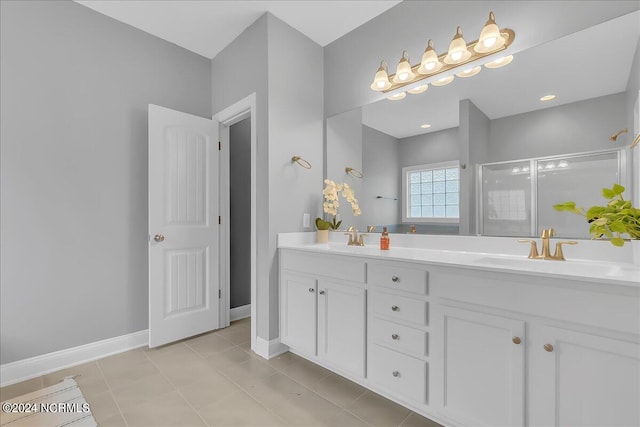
(236, 112)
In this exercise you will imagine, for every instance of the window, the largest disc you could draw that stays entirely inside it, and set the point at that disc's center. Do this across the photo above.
(432, 193)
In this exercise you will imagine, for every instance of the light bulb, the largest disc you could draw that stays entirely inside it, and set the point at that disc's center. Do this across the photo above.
(381, 80)
(458, 51)
(470, 72)
(403, 71)
(419, 89)
(430, 62)
(397, 96)
(490, 37)
(443, 81)
(500, 62)
(548, 97)
(425, 126)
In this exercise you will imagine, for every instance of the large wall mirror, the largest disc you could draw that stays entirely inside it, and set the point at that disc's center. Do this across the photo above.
(497, 118)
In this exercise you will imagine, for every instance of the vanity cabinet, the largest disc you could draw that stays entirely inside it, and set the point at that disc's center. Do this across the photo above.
(582, 378)
(298, 312)
(483, 367)
(321, 315)
(567, 351)
(466, 345)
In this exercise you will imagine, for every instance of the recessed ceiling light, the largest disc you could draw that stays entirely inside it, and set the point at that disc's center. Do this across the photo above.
(425, 126)
(397, 96)
(443, 81)
(548, 97)
(419, 89)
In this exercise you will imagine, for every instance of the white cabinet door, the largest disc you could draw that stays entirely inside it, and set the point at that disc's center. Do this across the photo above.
(483, 368)
(583, 379)
(298, 312)
(341, 326)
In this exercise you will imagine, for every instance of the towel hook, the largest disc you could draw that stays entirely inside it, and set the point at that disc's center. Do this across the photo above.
(353, 172)
(302, 162)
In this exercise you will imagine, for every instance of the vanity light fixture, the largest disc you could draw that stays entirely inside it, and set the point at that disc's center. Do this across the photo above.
(419, 89)
(443, 81)
(563, 164)
(403, 71)
(549, 97)
(470, 72)
(425, 126)
(397, 96)
(492, 40)
(500, 62)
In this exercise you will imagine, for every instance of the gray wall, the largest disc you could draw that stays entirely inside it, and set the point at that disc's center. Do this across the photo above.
(240, 210)
(381, 169)
(344, 149)
(433, 147)
(576, 127)
(284, 68)
(474, 131)
(75, 86)
(408, 25)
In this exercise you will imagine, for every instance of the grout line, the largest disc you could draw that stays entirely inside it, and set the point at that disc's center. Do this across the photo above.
(110, 391)
(175, 388)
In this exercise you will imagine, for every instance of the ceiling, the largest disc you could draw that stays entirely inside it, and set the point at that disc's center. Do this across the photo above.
(208, 26)
(587, 64)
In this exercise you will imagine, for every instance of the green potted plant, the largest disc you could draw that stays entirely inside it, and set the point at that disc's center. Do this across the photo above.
(330, 207)
(617, 220)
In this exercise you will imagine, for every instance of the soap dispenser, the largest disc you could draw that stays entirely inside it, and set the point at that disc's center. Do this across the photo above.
(384, 239)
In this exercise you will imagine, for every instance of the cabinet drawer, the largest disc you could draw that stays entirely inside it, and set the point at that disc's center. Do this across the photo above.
(402, 375)
(399, 277)
(398, 337)
(400, 308)
(324, 265)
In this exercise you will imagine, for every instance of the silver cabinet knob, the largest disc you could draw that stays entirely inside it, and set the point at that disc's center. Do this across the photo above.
(395, 308)
(395, 279)
(311, 290)
(158, 238)
(395, 336)
(395, 374)
(321, 292)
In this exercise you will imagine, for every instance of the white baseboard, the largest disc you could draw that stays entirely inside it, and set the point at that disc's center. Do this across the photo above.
(22, 370)
(241, 312)
(270, 349)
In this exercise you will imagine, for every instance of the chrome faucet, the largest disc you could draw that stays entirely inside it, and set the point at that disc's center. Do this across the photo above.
(546, 253)
(354, 239)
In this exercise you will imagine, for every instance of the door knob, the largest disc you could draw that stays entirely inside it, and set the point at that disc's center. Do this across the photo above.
(395, 308)
(516, 340)
(158, 238)
(311, 290)
(321, 292)
(395, 374)
(394, 336)
(395, 279)
(548, 347)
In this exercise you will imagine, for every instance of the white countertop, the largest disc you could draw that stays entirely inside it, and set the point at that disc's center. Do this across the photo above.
(604, 272)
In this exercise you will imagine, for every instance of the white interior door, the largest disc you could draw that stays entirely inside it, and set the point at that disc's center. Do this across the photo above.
(183, 225)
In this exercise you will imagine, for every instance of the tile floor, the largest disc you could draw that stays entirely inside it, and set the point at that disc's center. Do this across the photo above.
(215, 380)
